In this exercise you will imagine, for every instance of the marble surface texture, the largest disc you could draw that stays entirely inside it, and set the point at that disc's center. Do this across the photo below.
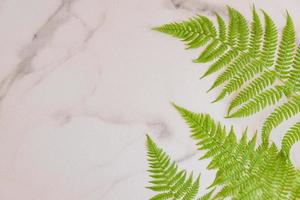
(83, 81)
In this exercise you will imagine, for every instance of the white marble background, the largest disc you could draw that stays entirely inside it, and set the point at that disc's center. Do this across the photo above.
(83, 81)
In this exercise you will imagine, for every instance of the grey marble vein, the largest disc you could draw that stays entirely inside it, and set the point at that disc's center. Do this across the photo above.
(39, 40)
(93, 30)
(160, 128)
(199, 6)
(90, 33)
(186, 157)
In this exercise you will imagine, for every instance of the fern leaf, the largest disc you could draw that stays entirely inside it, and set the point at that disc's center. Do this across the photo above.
(231, 70)
(244, 71)
(254, 88)
(237, 71)
(223, 61)
(240, 73)
(294, 74)
(233, 47)
(286, 50)
(243, 32)
(206, 196)
(283, 112)
(196, 32)
(167, 180)
(221, 28)
(241, 78)
(238, 32)
(265, 71)
(291, 137)
(213, 50)
(270, 41)
(298, 185)
(244, 171)
(254, 50)
(192, 191)
(216, 48)
(260, 101)
(256, 35)
(232, 36)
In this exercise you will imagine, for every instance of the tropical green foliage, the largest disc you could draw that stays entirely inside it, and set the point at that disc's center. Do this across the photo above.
(257, 64)
(263, 69)
(168, 181)
(244, 171)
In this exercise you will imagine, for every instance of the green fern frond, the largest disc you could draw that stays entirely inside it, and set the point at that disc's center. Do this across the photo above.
(196, 32)
(232, 28)
(167, 180)
(233, 69)
(291, 137)
(294, 75)
(281, 113)
(270, 41)
(224, 60)
(286, 50)
(245, 71)
(254, 88)
(256, 35)
(257, 65)
(243, 171)
(264, 70)
(298, 184)
(215, 48)
(235, 50)
(250, 64)
(240, 79)
(207, 196)
(260, 101)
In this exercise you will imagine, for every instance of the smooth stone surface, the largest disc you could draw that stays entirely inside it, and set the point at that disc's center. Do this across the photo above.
(83, 81)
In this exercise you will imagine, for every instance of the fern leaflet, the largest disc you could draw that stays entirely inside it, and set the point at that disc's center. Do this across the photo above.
(243, 171)
(254, 62)
(168, 181)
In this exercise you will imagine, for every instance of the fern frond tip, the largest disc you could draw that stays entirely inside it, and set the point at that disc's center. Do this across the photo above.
(176, 106)
(149, 142)
(210, 89)
(157, 28)
(203, 75)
